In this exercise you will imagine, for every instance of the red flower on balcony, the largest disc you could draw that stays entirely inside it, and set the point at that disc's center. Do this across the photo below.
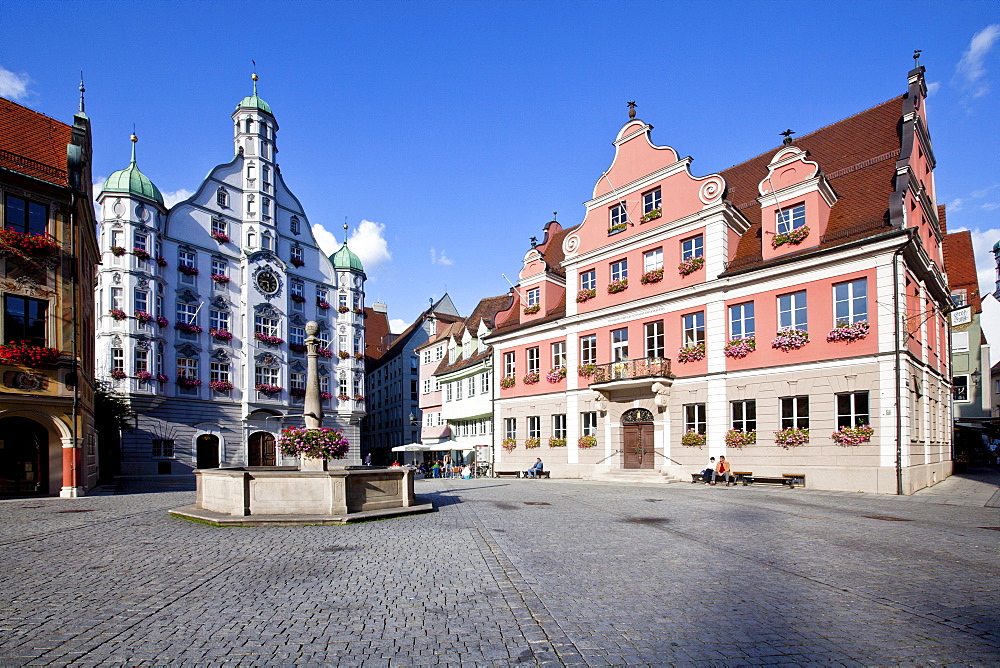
(268, 389)
(220, 278)
(188, 382)
(187, 271)
(298, 262)
(161, 321)
(162, 261)
(221, 237)
(117, 314)
(220, 385)
(188, 328)
(143, 316)
(269, 339)
(141, 253)
(221, 334)
(298, 299)
(118, 374)
(23, 353)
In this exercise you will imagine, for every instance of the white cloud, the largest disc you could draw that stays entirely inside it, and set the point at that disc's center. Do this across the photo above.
(440, 258)
(955, 205)
(327, 242)
(990, 206)
(173, 197)
(971, 68)
(933, 87)
(369, 244)
(14, 86)
(979, 194)
(396, 326)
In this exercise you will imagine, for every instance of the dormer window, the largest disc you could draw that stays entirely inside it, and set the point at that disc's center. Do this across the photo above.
(791, 219)
(222, 198)
(651, 205)
(534, 296)
(618, 219)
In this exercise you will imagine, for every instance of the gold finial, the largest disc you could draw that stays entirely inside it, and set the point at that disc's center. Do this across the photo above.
(134, 138)
(253, 76)
(345, 230)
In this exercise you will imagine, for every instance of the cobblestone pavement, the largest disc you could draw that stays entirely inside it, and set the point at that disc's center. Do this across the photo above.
(509, 572)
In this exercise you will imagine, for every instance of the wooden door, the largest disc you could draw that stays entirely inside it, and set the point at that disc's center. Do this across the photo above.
(208, 451)
(638, 445)
(261, 450)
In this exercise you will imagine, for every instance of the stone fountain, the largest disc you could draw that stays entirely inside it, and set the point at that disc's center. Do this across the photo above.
(315, 492)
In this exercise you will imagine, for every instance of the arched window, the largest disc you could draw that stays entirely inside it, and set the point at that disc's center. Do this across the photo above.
(295, 225)
(251, 172)
(251, 239)
(222, 197)
(266, 241)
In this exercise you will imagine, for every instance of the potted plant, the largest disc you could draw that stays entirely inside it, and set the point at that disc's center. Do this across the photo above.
(141, 253)
(343, 309)
(509, 444)
(587, 442)
(534, 308)
(322, 304)
(161, 321)
(557, 442)
(220, 385)
(359, 356)
(326, 396)
(187, 382)
(790, 339)
(359, 311)
(586, 370)
(359, 397)
(221, 279)
(791, 437)
(793, 237)
(188, 328)
(692, 353)
(322, 443)
(297, 347)
(740, 439)
(143, 375)
(118, 374)
(654, 276)
(162, 377)
(532, 442)
(584, 295)
(343, 397)
(13, 242)
(221, 334)
(161, 261)
(118, 251)
(555, 375)
(267, 388)
(221, 237)
(143, 317)
(324, 352)
(849, 331)
(652, 215)
(617, 286)
(693, 439)
(690, 265)
(187, 271)
(615, 229)
(298, 299)
(343, 354)
(118, 314)
(269, 339)
(740, 348)
(507, 382)
(530, 378)
(853, 435)
(297, 262)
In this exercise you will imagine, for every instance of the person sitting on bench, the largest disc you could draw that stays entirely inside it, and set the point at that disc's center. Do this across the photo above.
(722, 469)
(706, 475)
(535, 468)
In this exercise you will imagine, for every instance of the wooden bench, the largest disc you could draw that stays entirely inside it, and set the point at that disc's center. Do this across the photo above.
(506, 474)
(795, 479)
(538, 474)
(737, 476)
(768, 480)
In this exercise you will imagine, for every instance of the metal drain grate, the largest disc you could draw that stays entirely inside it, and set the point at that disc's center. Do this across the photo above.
(537, 503)
(886, 518)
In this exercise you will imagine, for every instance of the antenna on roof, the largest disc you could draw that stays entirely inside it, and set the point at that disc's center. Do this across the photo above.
(554, 215)
(82, 90)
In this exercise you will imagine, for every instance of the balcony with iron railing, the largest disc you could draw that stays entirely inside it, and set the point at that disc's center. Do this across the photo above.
(630, 374)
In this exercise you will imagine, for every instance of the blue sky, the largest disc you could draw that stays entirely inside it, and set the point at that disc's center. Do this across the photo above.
(456, 129)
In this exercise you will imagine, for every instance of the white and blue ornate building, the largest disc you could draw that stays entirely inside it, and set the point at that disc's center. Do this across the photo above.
(202, 311)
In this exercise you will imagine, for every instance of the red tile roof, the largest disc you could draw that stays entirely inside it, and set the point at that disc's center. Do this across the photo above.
(376, 331)
(960, 265)
(32, 143)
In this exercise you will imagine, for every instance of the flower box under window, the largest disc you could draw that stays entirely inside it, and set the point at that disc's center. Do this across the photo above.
(143, 316)
(690, 265)
(530, 378)
(848, 436)
(508, 382)
(584, 295)
(615, 229)
(161, 321)
(790, 339)
(654, 276)
(343, 309)
(221, 334)
(298, 299)
(343, 354)
(187, 382)
(740, 348)
(617, 286)
(652, 215)
(220, 385)
(849, 331)
(324, 352)
(141, 253)
(692, 353)
(586, 370)
(791, 437)
(532, 442)
(534, 308)
(143, 376)
(18, 243)
(297, 262)
(269, 339)
(118, 251)
(509, 444)
(555, 375)
(221, 237)
(693, 439)
(587, 442)
(740, 439)
(118, 374)
(221, 279)
(161, 261)
(322, 304)
(297, 347)
(187, 271)
(557, 442)
(118, 314)
(793, 238)
(188, 328)
(266, 388)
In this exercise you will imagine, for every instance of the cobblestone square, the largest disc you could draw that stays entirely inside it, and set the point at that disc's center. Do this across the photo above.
(509, 572)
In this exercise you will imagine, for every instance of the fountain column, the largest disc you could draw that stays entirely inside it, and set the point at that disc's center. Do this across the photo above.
(313, 408)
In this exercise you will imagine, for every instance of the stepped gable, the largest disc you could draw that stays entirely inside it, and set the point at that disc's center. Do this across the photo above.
(960, 265)
(858, 157)
(33, 144)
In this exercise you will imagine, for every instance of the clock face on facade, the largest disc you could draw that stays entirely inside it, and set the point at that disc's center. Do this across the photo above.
(267, 283)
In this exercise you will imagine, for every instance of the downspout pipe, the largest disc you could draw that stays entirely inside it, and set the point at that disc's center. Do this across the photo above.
(899, 371)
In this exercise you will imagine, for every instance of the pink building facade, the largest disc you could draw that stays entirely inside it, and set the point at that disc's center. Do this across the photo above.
(787, 312)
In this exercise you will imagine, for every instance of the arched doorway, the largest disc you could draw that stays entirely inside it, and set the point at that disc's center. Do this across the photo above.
(207, 448)
(637, 430)
(261, 449)
(24, 457)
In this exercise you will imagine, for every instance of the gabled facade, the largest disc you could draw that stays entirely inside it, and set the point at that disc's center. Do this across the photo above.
(787, 312)
(48, 251)
(393, 397)
(203, 310)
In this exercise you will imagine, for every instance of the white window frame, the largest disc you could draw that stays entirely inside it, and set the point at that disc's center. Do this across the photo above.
(559, 355)
(741, 321)
(693, 247)
(652, 260)
(849, 413)
(509, 364)
(695, 418)
(533, 296)
(793, 311)
(654, 339)
(617, 215)
(559, 425)
(588, 423)
(533, 359)
(218, 319)
(619, 344)
(693, 325)
(651, 201)
(797, 409)
(619, 269)
(850, 301)
(534, 426)
(588, 279)
(740, 412)
(790, 219)
(588, 349)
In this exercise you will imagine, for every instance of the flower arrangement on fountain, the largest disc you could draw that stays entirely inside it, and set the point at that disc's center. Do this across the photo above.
(555, 375)
(27, 244)
(690, 265)
(587, 442)
(118, 374)
(584, 295)
(325, 396)
(654, 276)
(141, 253)
(187, 381)
(617, 286)
(269, 339)
(509, 444)
(23, 353)
(790, 339)
(161, 261)
(221, 334)
(586, 370)
(740, 348)
(791, 437)
(220, 385)
(322, 443)
(652, 215)
(143, 375)
(853, 435)
(118, 251)
(793, 237)
(343, 397)
(343, 309)
(187, 271)
(530, 378)
(298, 299)
(849, 331)
(297, 347)
(557, 442)
(508, 382)
(740, 439)
(221, 279)
(117, 314)
(297, 262)
(267, 388)
(324, 352)
(693, 439)
(161, 321)
(320, 303)
(143, 317)
(188, 328)
(531, 310)
(343, 354)
(532, 442)
(162, 377)
(692, 353)
(221, 237)
(359, 397)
